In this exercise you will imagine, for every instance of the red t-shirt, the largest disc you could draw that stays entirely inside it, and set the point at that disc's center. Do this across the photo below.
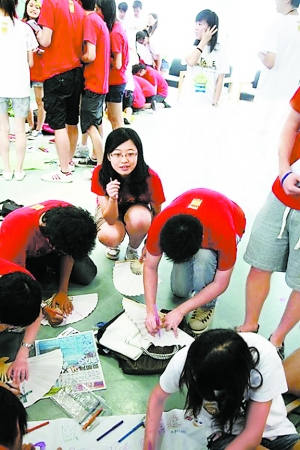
(37, 70)
(65, 19)
(20, 235)
(155, 193)
(139, 99)
(157, 80)
(119, 44)
(221, 218)
(9, 267)
(96, 73)
(290, 200)
(147, 88)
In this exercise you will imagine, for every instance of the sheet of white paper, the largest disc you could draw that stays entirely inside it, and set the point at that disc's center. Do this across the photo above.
(83, 305)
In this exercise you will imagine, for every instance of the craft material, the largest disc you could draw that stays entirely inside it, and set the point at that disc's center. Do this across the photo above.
(139, 425)
(37, 427)
(157, 320)
(110, 430)
(91, 420)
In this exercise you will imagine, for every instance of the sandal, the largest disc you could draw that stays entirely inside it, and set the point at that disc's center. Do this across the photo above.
(112, 252)
(238, 326)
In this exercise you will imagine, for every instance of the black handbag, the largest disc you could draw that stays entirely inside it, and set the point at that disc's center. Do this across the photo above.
(153, 361)
(8, 206)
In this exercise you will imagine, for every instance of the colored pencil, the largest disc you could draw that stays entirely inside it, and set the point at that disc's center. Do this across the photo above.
(110, 430)
(91, 420)
(37, 426)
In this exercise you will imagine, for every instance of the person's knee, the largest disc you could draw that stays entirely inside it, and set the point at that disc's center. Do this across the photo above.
(84, 271)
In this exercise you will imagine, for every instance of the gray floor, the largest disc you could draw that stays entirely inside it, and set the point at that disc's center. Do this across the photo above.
(231, 149)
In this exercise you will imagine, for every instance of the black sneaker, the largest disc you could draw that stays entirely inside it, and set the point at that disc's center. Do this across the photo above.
(153, 105)
(86, 162)
(126, 121)
(166, 105)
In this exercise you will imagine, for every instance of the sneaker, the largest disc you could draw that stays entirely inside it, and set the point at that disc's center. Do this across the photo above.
(52, 141)
(19, 176)
(71, 166)
(12, 137)
(35, 135)
(112, 252)
(82, 151)
(131, 253)
(153, 105)
(279, 349)
(166, 105)
(201, 319)
(7, 176)
(86, 162)
(58, 177)
(126, 121)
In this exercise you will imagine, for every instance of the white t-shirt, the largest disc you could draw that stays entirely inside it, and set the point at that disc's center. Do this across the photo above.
(16, 39)
(274, 384)
(281, 82)
(200, 80)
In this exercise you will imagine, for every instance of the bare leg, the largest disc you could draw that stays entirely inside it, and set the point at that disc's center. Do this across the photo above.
(39, 93)
(73, 138)
(111, 235)
(30, 119)
(114, 113)
(4, 142)
(292, 370)
(20, 142)
(97, 143)
(137, 222)
(290, 318)
(63, 148)
(84, 139)
(257, 289)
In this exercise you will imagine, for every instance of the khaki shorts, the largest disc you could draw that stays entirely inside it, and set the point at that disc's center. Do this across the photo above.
(273, 241)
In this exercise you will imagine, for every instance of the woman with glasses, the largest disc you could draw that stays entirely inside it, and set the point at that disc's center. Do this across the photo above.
(129, 194)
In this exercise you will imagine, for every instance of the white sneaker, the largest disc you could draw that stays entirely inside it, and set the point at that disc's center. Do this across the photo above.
(58, 177)
(82, 151)
(19, 176)
(7, 176)
(112, 252)
(34, 135)
(200, 320)
(131, 254)
(71, 166)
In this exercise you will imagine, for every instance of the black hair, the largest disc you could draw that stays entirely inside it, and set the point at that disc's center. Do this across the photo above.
(9, 8)
(137, 67)
(295, 3)
(109, 11)
(70, 230)
(88, 5)
(137, 4)
(181, 237)
(218, 368)
(25, 15)
(141, 35)
(13, 417)
(123, 6)
(137, 180)
(212, 19)
(20, 299)
(152, 28)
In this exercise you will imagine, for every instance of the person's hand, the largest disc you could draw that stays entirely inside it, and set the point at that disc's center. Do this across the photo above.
(28, 447)
(152, 324)
(112, 189)
(55, 316)
(172, 320)
(208, 34)
(290, 184)
(12, 387)
(62, 301)
(18, 371)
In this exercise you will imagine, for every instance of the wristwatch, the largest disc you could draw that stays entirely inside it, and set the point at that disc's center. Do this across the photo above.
(27, 345)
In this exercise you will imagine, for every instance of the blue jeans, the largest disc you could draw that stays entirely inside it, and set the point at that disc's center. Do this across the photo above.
(193, 275)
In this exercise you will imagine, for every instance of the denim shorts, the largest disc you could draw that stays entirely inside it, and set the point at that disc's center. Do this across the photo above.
(36, 84)
(91, 111)
(273, 239)
(61, 98)
(285, 442)
(20, 106)
(115, 93)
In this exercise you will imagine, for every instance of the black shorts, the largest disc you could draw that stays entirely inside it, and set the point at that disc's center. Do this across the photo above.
(127, 100)
(150, 99)
(61, 98)
(91, 111)
(115, 93)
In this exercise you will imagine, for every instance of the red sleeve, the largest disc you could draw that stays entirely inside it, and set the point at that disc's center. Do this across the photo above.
(96, 186)
(89, 30)
(46, 17)
(9, 267)
(116, 42)
(295, 101)
(156, 188)
(13, 240)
